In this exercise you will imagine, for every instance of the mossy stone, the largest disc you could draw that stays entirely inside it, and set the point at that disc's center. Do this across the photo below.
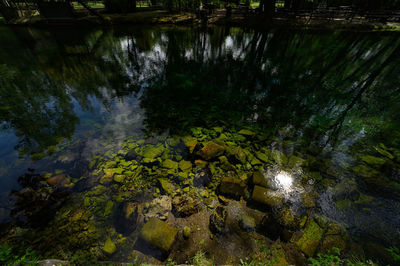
(373, 161)
(201, 163)
(259, 179)
(295, 161)
(246, 132)
(109, 207)
(247, 223)
(279, 157)
(211, 150)
(186, 232)
(169, 164)
(151, 152)
(165, 185)
(185, 166)
(262, 156)
(309, 241)
(267, 196)
(232, 186)
(190, 142)
(159, 234)
(119, 178)
(109, 246)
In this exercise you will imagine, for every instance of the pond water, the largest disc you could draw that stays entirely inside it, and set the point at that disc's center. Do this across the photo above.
(101, 130)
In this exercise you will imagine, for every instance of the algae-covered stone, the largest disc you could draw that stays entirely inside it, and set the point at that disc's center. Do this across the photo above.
(159, 207)
(190, 142)
(232, 186)
(109, 246)
(169, 164)
(262, 156)
(151, 152)
(247, 223)
(159, 234)
(279, 157)
(295, 161)
(106, 179)
(200, 163)
(225, 164)
(260, 179)
(309, 241)
(119, 178)
(185, 166)
(267, 196)
(211, 150)
(373, 161)
(246, 132)
(109, 207)
(239, 154)
(165, 185)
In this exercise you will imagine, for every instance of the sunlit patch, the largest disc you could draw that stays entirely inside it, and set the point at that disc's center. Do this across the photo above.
(284, 180)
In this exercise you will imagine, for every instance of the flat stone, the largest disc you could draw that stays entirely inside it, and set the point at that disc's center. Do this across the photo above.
(267, 196)
(159, 234)
(211, 150)
(232, 186)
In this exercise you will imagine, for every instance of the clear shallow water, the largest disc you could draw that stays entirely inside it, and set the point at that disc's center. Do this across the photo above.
(327, 97)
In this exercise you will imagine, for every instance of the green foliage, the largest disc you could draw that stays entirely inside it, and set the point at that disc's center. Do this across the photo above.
(330, 258)
(394, 252)
(10, 256)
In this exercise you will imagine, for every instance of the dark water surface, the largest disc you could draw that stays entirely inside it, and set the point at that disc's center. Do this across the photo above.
(324, 108)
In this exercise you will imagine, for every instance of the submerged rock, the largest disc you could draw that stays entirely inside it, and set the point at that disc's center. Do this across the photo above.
(279, 157)
(267, 196)
(126, 218)
(186, 232)
(165, 185)
(185, 166)
(159, 234)
(109, 246)
(211, 150)
(133, 155)
(218, 220)
(246, 132)
(373, 161)
(186, 205)
(190, 143)
(58, 180)
(169, 164)
(232, 186)
(151, 152)
(260, 180)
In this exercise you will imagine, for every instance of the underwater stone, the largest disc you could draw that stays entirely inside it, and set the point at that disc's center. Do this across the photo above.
(295, 161)
(185, 166)
(246, 132)
(225, 164)
(109, 246)
(109, 207)
(165, 185)
(279, 157)
(262, 156)
(254, 161)
(190, 142)
(259, 179)
(159, 207)
(200, 163)
(247, 223)
(232, 186)
(373, 161)
(159, 234)
(58, 180)
(211, 150)
(218, 220)
(267, 196)
(106, 179)
(151, 152)
(119, 178)
(169, 164)
(310, 239)
(239, 154)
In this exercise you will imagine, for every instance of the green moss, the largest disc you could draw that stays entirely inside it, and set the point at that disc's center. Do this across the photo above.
(109, 246)
(152, 152)
(373, 161)
(169, 164)
(165, 185)
(310, 239)
(119, 178)
(159, 234)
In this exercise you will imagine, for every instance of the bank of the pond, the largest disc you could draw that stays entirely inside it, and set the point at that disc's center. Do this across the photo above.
(158, 17)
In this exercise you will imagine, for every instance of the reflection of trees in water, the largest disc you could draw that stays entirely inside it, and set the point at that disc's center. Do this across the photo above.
(315, 82)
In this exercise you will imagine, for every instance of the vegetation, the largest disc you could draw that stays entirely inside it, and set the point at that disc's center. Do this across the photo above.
(10, 256)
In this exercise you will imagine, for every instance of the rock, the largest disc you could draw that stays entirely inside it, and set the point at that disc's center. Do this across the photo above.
(185, 166)
(211, 150)
(106, 179)
(331, 241)
(186, 232)
(262, 156)
(218, 220)
(260, 180)
(225, 164)
(169, 164)
(201, 163)
(165, 185)
(287, 218)
(279, 157)
(310, 238)
(119, 178)
(267, 197)
(133, 155)
(255, 162)
(307, 199)
(109, 246)
(58, 180)
(295, 161)
(151, 152)
(373, 161)
(159, 234)
(232, 186)
(202, 177)
(278, 255)
(246, 132)
(190, 142)
(247, 223)
(239, 154)
(159, 208)
(186, 205)
(109, 207)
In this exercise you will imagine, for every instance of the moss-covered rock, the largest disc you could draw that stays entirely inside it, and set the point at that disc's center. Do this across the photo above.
(119, 178)
(267, 196)
(247, 223)
(109, 208)
(211, 150)
(309, 241)
(259, 179)
(109, 246)
(373, 161)
(262, 156)
(186, 232)
(169, 164)
(151, 152)
(185, 166)
(279, 157)
(295, 161)
(190, 143)
(232, 186)
(165, 185)
(158, 233)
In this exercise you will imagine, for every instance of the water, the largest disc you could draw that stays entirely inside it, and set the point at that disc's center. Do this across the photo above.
(74, 102)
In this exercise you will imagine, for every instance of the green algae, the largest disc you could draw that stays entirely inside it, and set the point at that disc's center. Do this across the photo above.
(309, 241)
